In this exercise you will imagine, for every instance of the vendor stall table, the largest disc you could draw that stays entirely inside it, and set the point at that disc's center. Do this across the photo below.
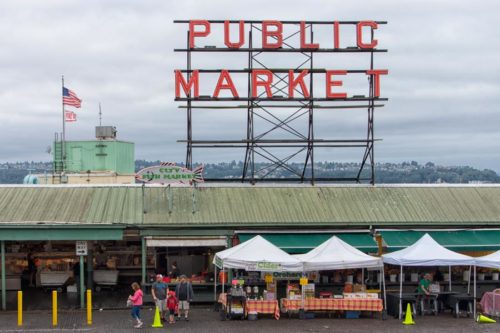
(333, 304)
(393, 303)
(263, 306)
(259, 306)
(491, 303)
(457, 301)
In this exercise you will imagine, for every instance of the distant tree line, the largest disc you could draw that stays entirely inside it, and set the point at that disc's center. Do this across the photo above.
(388, 173)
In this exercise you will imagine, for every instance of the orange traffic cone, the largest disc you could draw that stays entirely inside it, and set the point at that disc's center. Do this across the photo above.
(408, 317)
(484, 319)
(157, 321)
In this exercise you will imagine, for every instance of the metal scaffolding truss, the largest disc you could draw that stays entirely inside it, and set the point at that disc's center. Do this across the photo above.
(280, 129)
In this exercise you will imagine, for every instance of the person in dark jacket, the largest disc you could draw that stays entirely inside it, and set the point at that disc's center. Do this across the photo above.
(184, 293)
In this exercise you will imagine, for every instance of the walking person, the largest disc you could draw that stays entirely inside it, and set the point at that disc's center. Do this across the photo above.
(175, 272)
(172, 305)
(31, 269)
(136, 300)
(159, 291)
(184, 292)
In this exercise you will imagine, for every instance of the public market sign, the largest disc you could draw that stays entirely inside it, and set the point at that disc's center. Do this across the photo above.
(170, 173)
(337, 39)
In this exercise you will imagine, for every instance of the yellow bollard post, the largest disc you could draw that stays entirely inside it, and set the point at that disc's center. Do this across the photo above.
(19, 308)
(54, 308)
(89, 307)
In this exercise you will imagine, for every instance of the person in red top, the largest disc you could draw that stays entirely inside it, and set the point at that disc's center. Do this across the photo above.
(136, 300)
(171, 305)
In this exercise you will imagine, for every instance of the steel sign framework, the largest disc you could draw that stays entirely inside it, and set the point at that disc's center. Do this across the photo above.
(288, 103)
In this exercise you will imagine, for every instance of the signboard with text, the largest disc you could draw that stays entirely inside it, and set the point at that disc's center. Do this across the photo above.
(283, 74)
(81, 248)
(170, 173)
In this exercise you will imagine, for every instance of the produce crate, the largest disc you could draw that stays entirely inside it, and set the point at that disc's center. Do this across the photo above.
(54, 279)
(352, 314)
(106, 278)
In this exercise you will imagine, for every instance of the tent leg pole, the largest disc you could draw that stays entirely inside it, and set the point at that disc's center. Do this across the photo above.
(449, 278)
(385, 298)
(475, 292)
(400, 291)
(223, 282)
(215, 284)
(468, 283)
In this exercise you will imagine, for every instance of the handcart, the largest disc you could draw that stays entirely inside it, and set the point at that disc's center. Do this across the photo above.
(105, 279)
(54, 280)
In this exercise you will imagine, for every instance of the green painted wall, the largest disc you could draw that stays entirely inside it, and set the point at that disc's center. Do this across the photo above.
(97, 155)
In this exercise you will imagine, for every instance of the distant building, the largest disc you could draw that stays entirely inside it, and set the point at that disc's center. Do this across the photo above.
(104, 160)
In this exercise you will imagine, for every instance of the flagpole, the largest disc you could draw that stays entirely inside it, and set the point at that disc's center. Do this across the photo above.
(100, 114)
(63, 148)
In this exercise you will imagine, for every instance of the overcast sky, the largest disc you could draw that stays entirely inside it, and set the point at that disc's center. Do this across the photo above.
(443, 84)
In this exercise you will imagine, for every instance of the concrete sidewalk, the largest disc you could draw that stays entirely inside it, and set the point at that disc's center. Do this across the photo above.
(204, 319)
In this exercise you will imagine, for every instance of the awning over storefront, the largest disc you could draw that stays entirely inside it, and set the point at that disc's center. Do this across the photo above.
(218, 241)
(457, 240)
(59, 233)
(304, 242)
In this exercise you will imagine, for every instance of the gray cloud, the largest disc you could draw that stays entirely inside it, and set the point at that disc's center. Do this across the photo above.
(443, 86)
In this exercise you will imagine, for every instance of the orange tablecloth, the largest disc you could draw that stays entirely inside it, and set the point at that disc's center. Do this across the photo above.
(263, 306)
(258, 306)
(332, 304)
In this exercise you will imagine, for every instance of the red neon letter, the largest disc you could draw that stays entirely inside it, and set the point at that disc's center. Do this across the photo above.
(224, 76)
(336, 35)
(376, 75)
(193, 33)
(277, 34)
(264, 83)
(227, 41)
(359, 34)
(298, 81)
(193, 81)
(330, 83)
(303, 44)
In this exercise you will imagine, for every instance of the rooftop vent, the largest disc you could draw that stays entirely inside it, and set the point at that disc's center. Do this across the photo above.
(105, 132)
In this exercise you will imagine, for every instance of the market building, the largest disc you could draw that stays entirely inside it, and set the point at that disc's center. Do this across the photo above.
(103, 160)
(138, 231)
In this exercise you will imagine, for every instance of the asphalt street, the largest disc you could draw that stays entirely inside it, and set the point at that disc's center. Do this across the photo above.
(205, 319)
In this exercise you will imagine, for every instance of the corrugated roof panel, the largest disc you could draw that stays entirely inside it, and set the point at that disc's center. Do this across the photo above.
(264, 206)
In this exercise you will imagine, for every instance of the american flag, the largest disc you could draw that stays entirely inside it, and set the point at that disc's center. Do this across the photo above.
(70, 98)
(69, 116)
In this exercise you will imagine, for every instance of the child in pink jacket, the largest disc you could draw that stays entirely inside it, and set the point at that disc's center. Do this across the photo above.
(136, 304)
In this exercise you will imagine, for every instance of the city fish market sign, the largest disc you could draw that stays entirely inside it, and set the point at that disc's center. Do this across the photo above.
(170, 173)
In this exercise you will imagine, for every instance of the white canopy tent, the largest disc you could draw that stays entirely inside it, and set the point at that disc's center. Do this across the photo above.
(336, 254)
(427, 252)
(256, 254)
(491, 260)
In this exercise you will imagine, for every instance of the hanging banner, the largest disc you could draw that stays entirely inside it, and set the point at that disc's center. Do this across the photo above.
(264, 267)
(170, 173)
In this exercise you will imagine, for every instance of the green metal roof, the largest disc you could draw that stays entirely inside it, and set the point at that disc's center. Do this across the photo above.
(304, 242)
(253, 206)
(458, 240)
